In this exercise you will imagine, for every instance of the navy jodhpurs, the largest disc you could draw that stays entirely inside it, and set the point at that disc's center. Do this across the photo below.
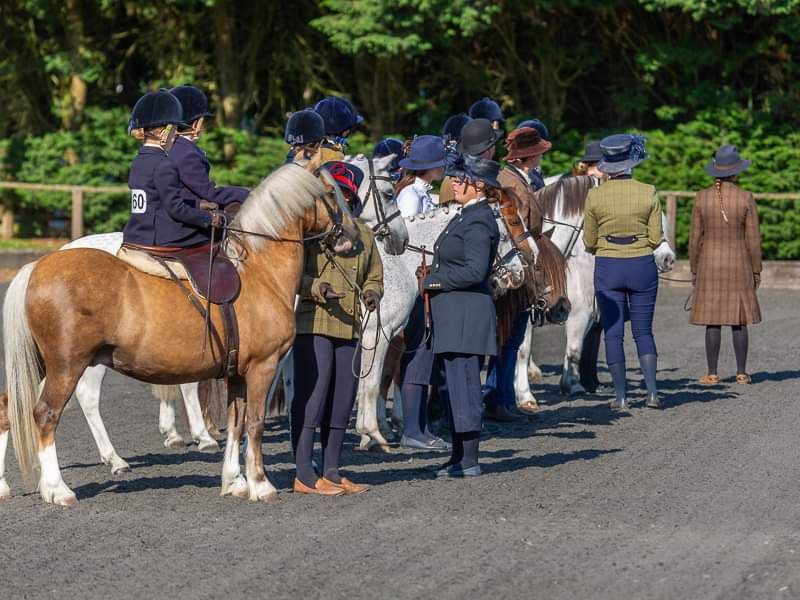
(626, 285)
(324, 384)
(463, 375)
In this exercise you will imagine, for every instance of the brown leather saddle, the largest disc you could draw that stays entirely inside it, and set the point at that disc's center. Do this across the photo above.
(215, 279)
(212, 275)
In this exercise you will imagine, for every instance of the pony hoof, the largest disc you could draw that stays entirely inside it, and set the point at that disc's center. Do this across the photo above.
(176, 443)
(269, 498)
(385, 448)
(120, 469)
(208, 445)
(238, 488)
(69, 501)
(5, 491)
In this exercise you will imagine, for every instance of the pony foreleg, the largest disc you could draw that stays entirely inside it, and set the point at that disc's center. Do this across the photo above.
(259, 380)
(577, 325)
(5, 426)
(194, 414)
(88, 393)
(233, 484)
(534, 372)
(368, 391)
(522, 386)
(166, 425)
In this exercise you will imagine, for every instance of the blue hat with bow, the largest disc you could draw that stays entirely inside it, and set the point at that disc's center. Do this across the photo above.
(621, 152)
(426, 152)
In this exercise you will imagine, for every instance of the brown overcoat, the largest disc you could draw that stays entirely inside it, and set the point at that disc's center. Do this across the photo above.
(724, 256)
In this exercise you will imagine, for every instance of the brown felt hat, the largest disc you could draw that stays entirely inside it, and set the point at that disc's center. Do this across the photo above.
(524, 143)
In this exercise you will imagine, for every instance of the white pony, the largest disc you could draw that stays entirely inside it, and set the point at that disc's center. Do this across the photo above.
(400, 293)
(562, 201)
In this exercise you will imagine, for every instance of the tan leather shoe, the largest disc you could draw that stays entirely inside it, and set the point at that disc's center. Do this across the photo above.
(323, 487)
(348, 486)
(709, 380)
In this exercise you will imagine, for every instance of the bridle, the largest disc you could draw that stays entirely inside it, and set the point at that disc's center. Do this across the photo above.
(335, 214)
(381, 228)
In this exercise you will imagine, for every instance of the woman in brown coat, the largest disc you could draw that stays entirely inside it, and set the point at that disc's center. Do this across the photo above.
(725, 255)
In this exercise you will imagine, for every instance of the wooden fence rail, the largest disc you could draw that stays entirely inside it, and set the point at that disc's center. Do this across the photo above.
(78, 192)
(672, 205)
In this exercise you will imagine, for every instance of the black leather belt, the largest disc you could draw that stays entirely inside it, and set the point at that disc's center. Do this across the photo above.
(625, 240)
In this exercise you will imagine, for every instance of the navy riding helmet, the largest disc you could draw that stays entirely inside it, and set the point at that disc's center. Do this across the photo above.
(155, 109)
(388, 146)
(304, 127)
(339, 115)
(488, 109)
(451, 130)
(193, 102)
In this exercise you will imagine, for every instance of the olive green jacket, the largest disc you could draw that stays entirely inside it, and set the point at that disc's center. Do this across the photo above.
(622, 208)
(339, 318)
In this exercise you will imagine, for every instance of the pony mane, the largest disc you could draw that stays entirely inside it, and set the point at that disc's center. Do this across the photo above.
(282, 197)
(553, 266)
(567, 195)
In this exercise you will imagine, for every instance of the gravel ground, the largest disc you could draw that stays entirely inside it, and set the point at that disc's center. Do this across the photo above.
(697, 501)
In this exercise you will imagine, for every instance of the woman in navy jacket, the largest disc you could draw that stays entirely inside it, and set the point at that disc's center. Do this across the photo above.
(462, 310)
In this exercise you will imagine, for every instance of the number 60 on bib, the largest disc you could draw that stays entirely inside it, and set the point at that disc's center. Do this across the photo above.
(138, 201)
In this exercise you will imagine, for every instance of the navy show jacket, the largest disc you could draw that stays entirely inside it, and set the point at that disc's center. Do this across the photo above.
(160, 212)
(462, 309)
(194, 170)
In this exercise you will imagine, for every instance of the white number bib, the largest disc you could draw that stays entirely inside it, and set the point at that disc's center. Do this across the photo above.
(138, 202)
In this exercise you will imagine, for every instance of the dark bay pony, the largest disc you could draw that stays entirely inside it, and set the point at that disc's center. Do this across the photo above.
(83, 307)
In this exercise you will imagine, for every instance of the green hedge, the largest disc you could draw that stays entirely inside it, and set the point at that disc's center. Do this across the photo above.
(678, 152)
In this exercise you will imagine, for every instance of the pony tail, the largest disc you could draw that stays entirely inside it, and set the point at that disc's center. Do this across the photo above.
(718, 188)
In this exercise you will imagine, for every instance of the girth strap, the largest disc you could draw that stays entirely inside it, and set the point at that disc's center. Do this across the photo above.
(229, 360)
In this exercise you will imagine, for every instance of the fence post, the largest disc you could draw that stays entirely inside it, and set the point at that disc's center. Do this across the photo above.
(672, 213)
(77, 213)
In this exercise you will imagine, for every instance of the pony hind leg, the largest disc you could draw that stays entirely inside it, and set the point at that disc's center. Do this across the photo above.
(259, 380)
(194, 414)
(58, 388)
(5, 426)
(166, 425)
(88, 394)
(233, 484)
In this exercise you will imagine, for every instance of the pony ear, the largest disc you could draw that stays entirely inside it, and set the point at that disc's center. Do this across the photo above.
(549, 232)
(384, 161)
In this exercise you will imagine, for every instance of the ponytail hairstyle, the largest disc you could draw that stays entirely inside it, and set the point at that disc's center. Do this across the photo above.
(718, 188)
(138, 134)
(407, 175)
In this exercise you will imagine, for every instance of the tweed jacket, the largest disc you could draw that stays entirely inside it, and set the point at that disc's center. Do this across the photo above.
(464, 319)
(622, 208)
(724, 256)
(529, 209)
(338, 318)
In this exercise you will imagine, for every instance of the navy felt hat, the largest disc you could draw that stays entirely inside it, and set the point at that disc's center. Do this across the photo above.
(155, 109)
(304, 127)
(475, 169)
(425, 152)
(451, 130)
(593, 153)
(477, 136)
(486, 108)
(538, 126)
(727, 162)
(621, 152)
(339, 115)
(193, 101)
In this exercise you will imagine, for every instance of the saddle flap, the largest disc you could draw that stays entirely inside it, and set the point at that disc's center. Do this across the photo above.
(225, 282)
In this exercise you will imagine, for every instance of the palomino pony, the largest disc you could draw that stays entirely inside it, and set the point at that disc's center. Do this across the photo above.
(83, 307)
(400, 293)
(563, 201)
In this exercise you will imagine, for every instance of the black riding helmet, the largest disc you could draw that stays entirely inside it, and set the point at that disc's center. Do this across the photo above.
(305, 127)
(193, 101)
(155, 109)
(451, 130)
